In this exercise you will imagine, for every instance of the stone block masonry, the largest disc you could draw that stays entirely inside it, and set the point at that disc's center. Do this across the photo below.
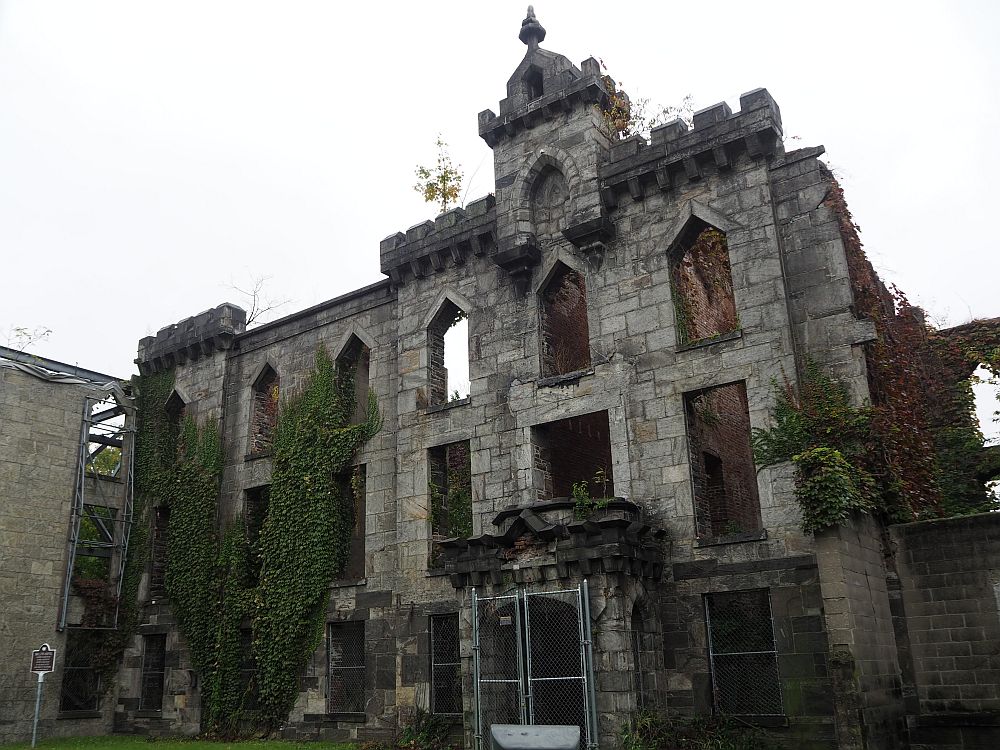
(631, 305)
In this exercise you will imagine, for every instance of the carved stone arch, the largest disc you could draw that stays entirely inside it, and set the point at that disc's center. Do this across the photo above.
(353, 331)
(693, 213)
(443, 320)
(262, 369)
(551, 266)
(448, 294)
(550, 165)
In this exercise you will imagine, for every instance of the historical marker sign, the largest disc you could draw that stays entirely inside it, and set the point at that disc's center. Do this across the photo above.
(43, 660)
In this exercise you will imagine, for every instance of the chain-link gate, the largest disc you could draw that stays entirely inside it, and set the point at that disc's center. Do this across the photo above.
(533, 662)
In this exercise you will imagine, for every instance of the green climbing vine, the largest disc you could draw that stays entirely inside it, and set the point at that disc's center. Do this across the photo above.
(305, 540)
(828, 440)
(212, 576)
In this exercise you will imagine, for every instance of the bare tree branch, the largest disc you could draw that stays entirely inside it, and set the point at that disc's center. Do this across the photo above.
(20, 338)
(256, 299)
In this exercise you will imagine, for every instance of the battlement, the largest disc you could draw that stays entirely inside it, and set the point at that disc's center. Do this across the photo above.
(569, 88)
(191, 338)
(428, 247)
(676, 153)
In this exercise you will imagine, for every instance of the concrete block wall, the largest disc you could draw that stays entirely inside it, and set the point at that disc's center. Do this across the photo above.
(949, 581)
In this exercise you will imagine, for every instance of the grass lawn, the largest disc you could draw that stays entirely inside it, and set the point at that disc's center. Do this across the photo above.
(130, 742)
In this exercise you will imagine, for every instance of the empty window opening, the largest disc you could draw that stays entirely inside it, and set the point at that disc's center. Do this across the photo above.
(722, 467)
(702, 284)
(158, 543)
(354, 363)
(533, 83)
(81, 681)
(574, 451)
(986, 390)
(446, 665)
(565, 344)
(353, 494)
(346, 673)
(550, 206)
(264, 411)
(448, 355)
(743, 657)
(176, 409)
(256, 502)
(450, 489)
(154, 658)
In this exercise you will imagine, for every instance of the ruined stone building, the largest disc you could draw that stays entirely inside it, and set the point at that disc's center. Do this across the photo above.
(631, 305)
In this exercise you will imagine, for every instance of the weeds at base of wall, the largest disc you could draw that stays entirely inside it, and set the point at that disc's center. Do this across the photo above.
(652, 731)
(426, 731)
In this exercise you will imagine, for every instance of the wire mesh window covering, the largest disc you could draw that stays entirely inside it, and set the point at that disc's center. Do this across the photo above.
(742, 653)
(446, 665)
(81, 683)
(154, 655)
(346, 676)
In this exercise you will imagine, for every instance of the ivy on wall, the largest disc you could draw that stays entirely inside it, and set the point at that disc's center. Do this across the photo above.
(829, 441)
(305, 540)
(304, 544)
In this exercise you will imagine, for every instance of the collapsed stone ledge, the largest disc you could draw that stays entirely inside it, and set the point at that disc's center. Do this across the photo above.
(544, 542)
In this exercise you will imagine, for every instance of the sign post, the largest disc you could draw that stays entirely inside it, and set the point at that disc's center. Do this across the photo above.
(43, 661)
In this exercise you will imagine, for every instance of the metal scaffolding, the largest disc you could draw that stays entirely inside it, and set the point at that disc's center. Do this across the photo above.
(101, 517)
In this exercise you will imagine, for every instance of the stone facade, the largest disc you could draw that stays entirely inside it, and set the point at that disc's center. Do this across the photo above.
(581, 362)
(41, 413)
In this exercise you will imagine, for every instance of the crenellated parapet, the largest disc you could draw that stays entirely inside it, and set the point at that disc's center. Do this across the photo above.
(430, 247)
(568, 88)
(676, 154)
(191, 339)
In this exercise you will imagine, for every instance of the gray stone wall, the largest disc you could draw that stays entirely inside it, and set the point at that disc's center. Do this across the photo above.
(863, 654)
(39, 450)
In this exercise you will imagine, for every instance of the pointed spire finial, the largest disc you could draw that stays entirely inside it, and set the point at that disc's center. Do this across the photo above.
(532, 32)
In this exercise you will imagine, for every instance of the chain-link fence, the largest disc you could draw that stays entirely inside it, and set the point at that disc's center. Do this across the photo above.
(533, 662)
(743, 656)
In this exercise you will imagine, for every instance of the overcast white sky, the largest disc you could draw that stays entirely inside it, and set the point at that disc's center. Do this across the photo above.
(153, 153)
